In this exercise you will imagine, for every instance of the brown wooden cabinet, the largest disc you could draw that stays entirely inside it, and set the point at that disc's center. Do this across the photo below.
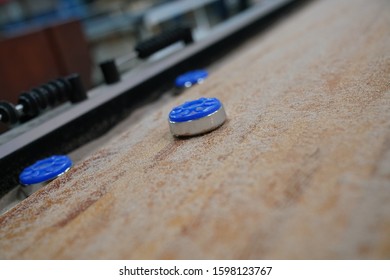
(36, 56)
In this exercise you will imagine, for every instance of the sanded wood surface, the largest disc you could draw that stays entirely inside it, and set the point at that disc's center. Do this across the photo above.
(301, 169)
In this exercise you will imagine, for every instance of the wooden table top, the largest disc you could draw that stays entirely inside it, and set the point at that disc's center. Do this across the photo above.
(301, 169)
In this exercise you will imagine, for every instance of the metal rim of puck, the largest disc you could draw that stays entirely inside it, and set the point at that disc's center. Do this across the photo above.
(196, 117)
(45, 170)
(190, 78)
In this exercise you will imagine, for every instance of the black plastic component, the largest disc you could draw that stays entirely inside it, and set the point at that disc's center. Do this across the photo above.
(152, 45)
(51, 93)
(65, 87)
(78, 92)
(42, 97)
(8, 113)
(39, 98)
(30, 102)
(59, 90)
(147, 48)
(110, 72)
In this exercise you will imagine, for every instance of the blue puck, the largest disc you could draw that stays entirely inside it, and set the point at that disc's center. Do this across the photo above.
(196, 117)
(190, 78)
(45, 170)
(193, 110)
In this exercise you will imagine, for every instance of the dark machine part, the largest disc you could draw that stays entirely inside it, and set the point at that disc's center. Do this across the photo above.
(50, 91)
(75, 88)
(145, 49)
(110, 71)
(153, 45)
(32, 103)
(8, 113)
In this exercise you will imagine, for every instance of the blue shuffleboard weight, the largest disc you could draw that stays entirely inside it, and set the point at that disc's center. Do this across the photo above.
(196, 117)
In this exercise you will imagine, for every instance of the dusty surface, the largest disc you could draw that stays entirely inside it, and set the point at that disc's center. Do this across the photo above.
(300, 170)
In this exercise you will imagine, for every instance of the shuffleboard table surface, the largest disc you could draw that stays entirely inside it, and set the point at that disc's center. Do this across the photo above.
(301, 169)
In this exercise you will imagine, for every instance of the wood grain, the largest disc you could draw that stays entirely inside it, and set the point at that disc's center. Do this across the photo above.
(301, 170)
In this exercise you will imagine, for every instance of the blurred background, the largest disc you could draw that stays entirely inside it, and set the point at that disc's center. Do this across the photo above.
(44, 39)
